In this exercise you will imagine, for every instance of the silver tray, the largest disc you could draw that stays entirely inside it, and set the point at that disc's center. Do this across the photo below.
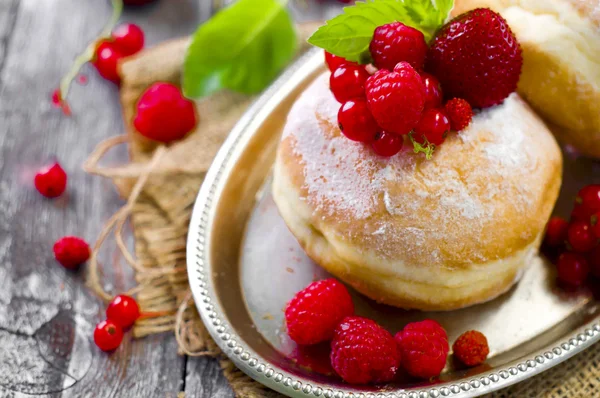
(244, 265)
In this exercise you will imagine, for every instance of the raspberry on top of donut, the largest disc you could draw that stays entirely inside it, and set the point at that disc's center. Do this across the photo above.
(392, 84)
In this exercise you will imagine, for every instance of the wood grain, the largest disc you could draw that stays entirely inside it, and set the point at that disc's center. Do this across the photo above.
(46, 313)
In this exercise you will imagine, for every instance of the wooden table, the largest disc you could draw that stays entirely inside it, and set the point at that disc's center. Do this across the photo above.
(46, 313)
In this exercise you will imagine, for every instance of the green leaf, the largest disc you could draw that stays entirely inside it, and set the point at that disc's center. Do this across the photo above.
(348, 35)
(241, 48)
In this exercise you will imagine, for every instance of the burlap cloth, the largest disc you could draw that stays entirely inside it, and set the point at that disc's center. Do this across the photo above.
(161, 183)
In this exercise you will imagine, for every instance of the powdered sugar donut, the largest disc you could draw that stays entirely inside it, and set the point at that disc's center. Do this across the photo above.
(435, 234)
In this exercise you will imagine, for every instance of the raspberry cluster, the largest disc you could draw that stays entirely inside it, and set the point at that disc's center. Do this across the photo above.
(363, 352)
(575, 244)
(404, 97)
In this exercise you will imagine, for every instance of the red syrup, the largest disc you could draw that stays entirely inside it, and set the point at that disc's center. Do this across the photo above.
(314, 358)
(82, 79)
(58, 102)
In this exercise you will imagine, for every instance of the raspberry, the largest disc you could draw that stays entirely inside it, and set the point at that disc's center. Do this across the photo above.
(476, 57)
(594, 261)
(588, 201)
(387, 144)
(123, 310)
(363, 352)
(581, 237)
(356, 122)
(433, 90)
(164, 114)
(572, 268)
(333, 61)
(106, 61)
(471, 348)
(71, 251)
(108, 335)
(396, 42)
(313, 313)
(51, 181)
(556, 232)
(396, 99)
(424, 348)
(348, 82)
(433, 126)
(459, 112)
(128, 39)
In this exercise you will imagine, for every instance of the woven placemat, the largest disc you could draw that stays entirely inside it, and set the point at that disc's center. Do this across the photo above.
(160, 185)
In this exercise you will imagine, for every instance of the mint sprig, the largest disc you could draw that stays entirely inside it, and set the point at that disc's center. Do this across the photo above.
(348, 35)
(241, 48)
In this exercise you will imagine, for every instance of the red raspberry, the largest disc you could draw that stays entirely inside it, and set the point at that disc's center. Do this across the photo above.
(476, 57)
(71, 251)
(164, 114)
(348, 82)
(396, 99)
(51, 181)
(108, 335)
(106, 61)
(313, 313)
(556, 231)
(333, 61)
(434, 126)
(387, 144)
(459, 112)
(356, 122)
(581, 237)
(424, 348)
(433, 90)
(471, 348)
(128, 39)
(363, 352)
(588, 201)
(572, 268)
(594, 261)
(396, 42)
(123, 310)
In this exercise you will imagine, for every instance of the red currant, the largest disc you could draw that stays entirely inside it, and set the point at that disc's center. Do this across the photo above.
(387, 144)
(572, 268)
(580, 236)
(333, 61)
(433, 91)
(164, 114)
(589, 199)
(594, 261)
(595, 223)
(128, 39)
(348, 82)
(71, 251)
(108, 335)
(579, 213)
(433, 125)
(556, 231)
(123, 310)
(107, 60)
(356, 122)
(51, 181)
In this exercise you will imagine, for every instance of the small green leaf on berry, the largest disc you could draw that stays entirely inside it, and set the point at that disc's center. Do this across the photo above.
(348, 35)
(427, 147)
(241, 48)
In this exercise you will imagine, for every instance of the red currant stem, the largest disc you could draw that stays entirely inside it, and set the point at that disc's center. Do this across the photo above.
(594, 220)
(88, 54)
(156, 314)
(428, 148)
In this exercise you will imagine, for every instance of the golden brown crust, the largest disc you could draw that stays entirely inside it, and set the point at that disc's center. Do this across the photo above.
(482, 200)
(561, 69)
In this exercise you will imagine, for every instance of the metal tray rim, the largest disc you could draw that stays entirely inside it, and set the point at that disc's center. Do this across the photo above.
(212, 314)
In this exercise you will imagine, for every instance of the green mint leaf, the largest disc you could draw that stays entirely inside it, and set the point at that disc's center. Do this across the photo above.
(241, 48)
(349, 34)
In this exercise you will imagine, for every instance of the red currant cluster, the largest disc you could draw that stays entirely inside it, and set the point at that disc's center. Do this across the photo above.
(577, 241)
(399, 99)
(121, 313)
(324, 312)
(126, 40)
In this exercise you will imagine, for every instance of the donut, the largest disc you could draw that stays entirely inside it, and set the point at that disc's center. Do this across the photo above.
(437, 234)
(561, 63)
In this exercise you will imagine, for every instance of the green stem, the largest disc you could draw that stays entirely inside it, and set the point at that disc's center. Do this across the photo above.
(90, 50)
